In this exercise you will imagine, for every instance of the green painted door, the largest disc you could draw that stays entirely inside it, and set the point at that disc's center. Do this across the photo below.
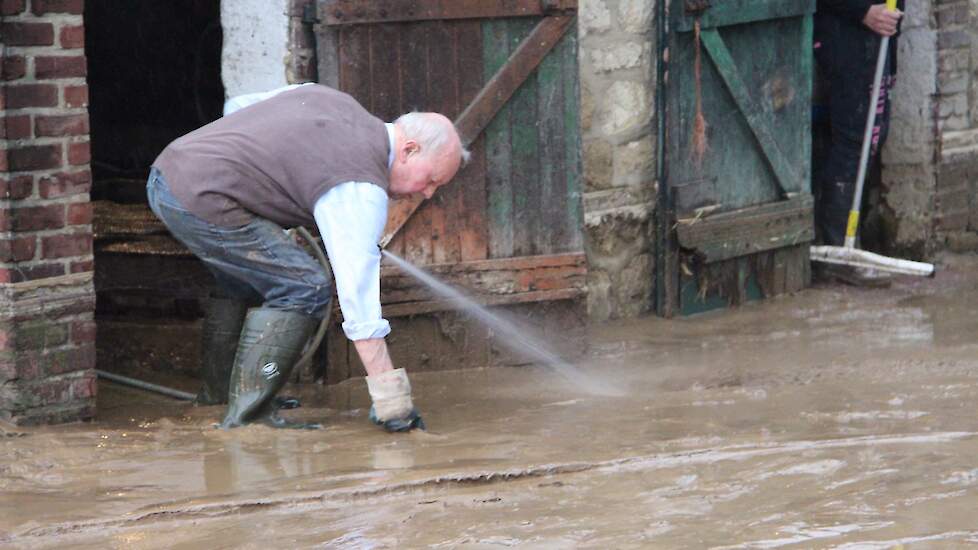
(736, 207)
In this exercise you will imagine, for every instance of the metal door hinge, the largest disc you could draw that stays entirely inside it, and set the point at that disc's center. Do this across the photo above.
(696, 7)
(310, 13)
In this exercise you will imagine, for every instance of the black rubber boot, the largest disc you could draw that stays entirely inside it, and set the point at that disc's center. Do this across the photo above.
(223, 319)
(270, 344)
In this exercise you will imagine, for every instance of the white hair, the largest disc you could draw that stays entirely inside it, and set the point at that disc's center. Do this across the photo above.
(432, 136)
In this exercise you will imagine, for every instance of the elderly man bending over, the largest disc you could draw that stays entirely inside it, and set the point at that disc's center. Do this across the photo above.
(300, 156)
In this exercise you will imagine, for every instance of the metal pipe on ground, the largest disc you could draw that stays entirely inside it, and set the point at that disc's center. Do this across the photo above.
(148, 386)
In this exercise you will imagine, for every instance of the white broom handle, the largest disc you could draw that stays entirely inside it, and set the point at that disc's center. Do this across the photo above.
(867, 143)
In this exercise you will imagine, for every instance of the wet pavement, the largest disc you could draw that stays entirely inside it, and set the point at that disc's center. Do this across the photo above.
(835, 418)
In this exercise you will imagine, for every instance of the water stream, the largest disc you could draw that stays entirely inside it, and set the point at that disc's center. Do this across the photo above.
(515, 336)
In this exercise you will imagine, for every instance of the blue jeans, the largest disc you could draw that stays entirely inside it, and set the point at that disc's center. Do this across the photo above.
(257, 259)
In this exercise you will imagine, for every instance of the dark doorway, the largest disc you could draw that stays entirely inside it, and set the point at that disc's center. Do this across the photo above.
(154, 74)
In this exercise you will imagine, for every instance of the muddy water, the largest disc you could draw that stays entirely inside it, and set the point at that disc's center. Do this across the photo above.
(836, 418)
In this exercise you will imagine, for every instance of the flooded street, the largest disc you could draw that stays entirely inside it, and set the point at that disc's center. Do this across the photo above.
(835, 418)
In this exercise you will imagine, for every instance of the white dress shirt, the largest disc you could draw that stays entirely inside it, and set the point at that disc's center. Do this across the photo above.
(351, 217)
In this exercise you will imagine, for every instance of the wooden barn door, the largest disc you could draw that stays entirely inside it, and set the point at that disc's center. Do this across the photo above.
(738, 187)
(510, 226)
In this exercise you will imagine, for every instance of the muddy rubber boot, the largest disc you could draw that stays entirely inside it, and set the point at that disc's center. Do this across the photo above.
(223, 319)
(270, 344)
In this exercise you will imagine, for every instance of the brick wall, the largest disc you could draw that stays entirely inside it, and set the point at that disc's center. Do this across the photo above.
(956, 217)
(47, 331)
(930, 162)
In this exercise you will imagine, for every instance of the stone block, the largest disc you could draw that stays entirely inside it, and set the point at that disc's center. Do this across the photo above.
(625, 55)
(625, 106)
(593, 16)
(635, 162)
(635, 16)
(598, 167)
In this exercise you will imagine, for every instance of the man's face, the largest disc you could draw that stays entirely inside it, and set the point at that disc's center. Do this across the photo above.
(414, 172)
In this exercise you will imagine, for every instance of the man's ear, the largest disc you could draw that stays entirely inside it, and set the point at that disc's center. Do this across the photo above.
(410, 147)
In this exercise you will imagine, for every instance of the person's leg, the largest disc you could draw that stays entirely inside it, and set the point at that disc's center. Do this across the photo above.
(296, 290)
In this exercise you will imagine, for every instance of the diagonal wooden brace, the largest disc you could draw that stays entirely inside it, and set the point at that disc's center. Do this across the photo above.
(489, 101)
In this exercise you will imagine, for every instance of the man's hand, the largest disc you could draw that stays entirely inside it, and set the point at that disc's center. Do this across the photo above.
(406, 424)
(393, 408)
(881, 20)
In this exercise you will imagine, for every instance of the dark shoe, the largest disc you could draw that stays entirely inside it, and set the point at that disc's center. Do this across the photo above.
(854, 276)
(271, 341)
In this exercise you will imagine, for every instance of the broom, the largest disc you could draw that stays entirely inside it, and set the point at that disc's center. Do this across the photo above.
(848, 254)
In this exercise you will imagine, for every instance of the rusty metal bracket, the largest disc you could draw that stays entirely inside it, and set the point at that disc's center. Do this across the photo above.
(696, 7)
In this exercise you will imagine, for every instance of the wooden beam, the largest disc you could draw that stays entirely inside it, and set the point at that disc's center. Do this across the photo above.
(758, 120)
(750, 230)
(358, 12)
(489, 101)
(738, 12)
(415, 308)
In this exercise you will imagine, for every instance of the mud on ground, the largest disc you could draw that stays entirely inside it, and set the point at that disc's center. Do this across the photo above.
(835, 418)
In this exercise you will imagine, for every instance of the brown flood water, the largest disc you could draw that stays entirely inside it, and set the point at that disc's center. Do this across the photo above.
(836, 418)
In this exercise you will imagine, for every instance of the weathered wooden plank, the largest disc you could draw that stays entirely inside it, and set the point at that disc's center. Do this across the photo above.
(415, 308)
(550, 224)
(525, 167)
(577, 259)
(385, 73)
(354, 63)
(738, 12)
(758, 119)
(498, 148)
(473, 231)
(352, 12)
(489, 101)
(414, 70)
(444, 84)
(749, 230)
(572, 235)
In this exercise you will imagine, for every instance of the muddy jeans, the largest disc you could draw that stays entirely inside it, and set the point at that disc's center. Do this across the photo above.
(845, 71)
(255, 259)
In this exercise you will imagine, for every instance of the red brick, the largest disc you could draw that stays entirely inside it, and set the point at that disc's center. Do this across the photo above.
(36, 157)
(28, 34)
(32, 95)
(83, 331)
(17, 127)
(36, 218)
(17, 249)
(16, 188)
(64, 184)
(14, 67)
(86, 386)
(62, 125)
(11, 7)
(61, 66)
(84, 266)
(79, 213)
(79, 153)
(40, 7)
(37, 272)
(66, 245)
(72, 36)
(76, 96)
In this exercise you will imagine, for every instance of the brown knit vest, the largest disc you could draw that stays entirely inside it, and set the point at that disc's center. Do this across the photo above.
(276, 158)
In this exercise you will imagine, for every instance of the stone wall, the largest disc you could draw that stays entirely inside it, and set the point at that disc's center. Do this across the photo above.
(47, 332)
(930, 162)
(617, 65)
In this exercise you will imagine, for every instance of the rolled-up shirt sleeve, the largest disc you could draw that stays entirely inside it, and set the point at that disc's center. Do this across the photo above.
(351, 218)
